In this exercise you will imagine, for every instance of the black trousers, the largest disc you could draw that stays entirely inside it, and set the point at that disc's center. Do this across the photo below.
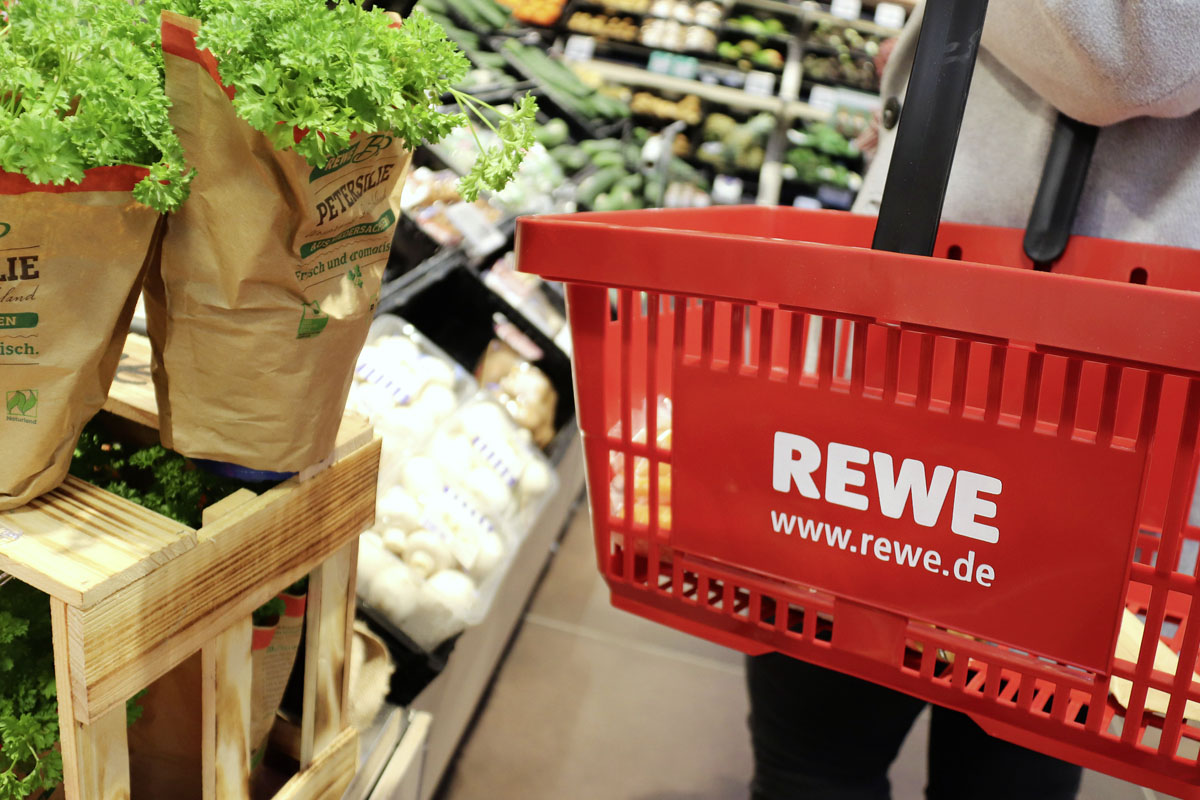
(823, 735)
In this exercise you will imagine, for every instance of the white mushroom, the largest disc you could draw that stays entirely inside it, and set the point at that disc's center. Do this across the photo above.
(394, 540)
(422, 476)
(438, 400)
(452, 453)
(535, 482)
(396, 592)
(427, 553)
(396, 508)
(491, 552)
(491, 493)
(433, 370)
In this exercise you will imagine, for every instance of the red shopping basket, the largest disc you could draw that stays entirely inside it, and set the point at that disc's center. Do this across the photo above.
(957, 476)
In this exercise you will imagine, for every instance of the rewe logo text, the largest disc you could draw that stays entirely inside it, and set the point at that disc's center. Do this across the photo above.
(796, 458)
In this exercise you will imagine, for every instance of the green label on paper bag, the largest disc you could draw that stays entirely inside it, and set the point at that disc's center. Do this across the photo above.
(21, 405)
(355, 153)
(312, 320)
(23, 320)
(380, 225)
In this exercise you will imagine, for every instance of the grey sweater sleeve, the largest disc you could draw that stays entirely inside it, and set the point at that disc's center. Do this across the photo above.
(1102, 61)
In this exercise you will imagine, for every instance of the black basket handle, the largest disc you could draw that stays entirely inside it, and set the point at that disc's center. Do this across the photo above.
(927, 135)
(1058, 193)
(928, 128)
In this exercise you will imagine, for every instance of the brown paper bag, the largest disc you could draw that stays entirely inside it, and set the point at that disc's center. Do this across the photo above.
(273, 668)
(71, 262)
(270, 276)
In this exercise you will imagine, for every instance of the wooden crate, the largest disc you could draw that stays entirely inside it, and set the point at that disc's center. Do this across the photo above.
(134, 595)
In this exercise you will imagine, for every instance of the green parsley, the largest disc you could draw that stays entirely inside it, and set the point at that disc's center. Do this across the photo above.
(340, 71)
(28, 708)
(81, 86)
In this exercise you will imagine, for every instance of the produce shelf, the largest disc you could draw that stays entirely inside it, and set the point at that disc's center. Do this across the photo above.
(734, 98)
(453, 697)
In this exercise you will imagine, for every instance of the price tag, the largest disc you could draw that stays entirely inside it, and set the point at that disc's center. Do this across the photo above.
(846, 9)
(823, 98)
(684, 67)
(480, 236)
(579, 48)
(889, 15)
(760, 83)
(660, 62)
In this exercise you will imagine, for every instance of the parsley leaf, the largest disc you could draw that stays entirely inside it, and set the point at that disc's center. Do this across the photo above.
(341, 71)
(81, 86)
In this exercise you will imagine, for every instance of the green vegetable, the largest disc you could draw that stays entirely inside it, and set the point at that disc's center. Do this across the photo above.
(633, 182)
(605, 202)
(594, 146)
(553, 133)
(570, 157)
(81, 86)
(28, 708)
(153, 477)
(608, 158)
(340, 71)
(597, 183)
(729, 51)
(623, 199)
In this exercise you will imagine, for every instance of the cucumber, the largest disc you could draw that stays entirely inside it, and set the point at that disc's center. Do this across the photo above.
(594, 146)
(608, 158)
(597, 183)
(489, 60)
(633, 155)
(606, 202)
(569, 157)
(631, 182)
(622, 198)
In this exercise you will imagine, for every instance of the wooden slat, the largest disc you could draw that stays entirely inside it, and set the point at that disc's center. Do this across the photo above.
(132, 392)
(329, 774)
(226, 505)
(95, 756)
(353, 433)
(137, 634)
(325, 664)
(226, 716)
(81, 544)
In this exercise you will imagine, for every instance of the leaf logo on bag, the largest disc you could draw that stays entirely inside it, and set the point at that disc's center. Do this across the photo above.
(22, 403)
(4, 229)
(312, 320)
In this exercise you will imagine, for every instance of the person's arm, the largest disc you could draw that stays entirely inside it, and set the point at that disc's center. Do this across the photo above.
(1102, 61)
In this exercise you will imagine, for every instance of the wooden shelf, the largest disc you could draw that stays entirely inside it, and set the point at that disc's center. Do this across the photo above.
(134, 595)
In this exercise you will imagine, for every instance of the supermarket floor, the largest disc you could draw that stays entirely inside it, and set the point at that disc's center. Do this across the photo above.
(595, 704)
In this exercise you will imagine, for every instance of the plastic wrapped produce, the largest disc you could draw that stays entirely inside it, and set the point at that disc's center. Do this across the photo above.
(406, 387)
